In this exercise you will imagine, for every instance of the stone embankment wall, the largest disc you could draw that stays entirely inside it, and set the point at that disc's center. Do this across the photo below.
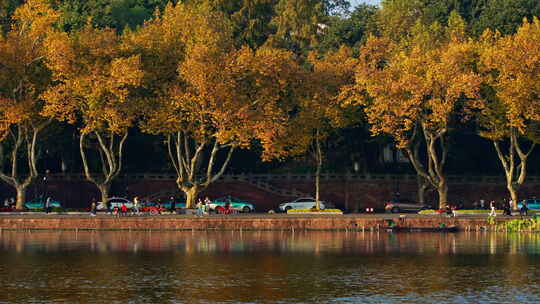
(267, 191)
(270, 222)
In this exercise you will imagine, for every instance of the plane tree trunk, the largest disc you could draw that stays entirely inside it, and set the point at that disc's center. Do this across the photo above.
(110, 148)
(436, 151)
(194, 161)
(25, 141)
(514, 163)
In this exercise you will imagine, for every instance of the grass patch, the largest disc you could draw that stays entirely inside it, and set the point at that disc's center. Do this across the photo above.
(520, 225)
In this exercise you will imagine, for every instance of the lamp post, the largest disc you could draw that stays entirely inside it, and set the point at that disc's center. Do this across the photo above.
(398, 171)
(45, 180)
(397, 194)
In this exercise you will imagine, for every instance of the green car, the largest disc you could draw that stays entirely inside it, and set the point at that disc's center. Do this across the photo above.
(532, 204)
(235, 203)
(39, 203)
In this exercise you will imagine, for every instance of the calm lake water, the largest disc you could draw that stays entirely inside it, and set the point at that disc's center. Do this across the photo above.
(268, 267)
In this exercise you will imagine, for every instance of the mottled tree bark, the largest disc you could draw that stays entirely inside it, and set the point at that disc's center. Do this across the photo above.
(515, 168)
(110, 150)
(194, 169)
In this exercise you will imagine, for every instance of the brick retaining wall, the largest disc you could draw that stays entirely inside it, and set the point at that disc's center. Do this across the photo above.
(275, 222)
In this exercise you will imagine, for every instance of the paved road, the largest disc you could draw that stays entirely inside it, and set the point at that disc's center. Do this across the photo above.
(242, 215)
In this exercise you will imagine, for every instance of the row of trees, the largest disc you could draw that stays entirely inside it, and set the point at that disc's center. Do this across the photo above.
(179, 75)
(210, 82)
(418, 88)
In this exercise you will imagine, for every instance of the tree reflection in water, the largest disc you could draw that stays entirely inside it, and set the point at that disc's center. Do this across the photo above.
(264, 266)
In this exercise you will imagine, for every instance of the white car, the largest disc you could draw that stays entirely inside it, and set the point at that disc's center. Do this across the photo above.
(300, 203)
(115, 202)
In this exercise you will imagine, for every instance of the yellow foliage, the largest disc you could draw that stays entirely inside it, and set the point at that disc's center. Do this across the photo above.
(204, 87)
(164, 40)
(512, 67)
(317, 103)
(21, 77)
(402, 86)
(95, 77)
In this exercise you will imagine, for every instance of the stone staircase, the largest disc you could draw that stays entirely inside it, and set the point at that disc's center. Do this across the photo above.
(164, 193)
(266, 186)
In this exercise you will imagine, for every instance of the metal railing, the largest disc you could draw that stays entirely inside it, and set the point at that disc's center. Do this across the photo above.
(263, 179)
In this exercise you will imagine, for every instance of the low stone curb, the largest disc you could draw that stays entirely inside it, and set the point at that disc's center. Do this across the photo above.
(314, 213)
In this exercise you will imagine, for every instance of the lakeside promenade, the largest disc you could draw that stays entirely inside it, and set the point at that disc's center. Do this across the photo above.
(352, 222)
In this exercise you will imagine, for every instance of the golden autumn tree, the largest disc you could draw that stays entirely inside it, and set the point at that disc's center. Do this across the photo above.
(23, 77)
(416, 91)
(94, 87)
(319, 111)
(511, 115)
(204, 96)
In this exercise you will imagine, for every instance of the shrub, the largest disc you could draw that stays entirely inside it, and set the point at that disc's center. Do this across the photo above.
(314, 210)
(461, 211)
(77, 209)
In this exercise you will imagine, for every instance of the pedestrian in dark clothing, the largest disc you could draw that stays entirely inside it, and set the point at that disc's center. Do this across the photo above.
(506, 210)
(93, 207)
(173, 205)
(158, 205)
(448, 211)
(523, 210)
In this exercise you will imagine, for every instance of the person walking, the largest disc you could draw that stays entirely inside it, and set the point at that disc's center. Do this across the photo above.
(136, 205)
(492, 206)
(448, 211)
(93, 207)
(508, 207)
(203, 208)
(198, 208)
(207, 202)
(206, 209)
(158, 205)
(123, 209)
(47, 205)
(523, 210)
(172, 208)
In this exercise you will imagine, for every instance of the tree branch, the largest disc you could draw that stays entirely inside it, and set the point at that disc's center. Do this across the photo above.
(223, 167)
(211, 161)
(108, 154)
(84, 160)
(172, 158)
(183, 157)
(120, 154)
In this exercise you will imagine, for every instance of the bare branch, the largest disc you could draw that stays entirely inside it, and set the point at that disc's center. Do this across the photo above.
(195, 160)
(172, 158)
(223, 167)
(84, 159)
(108, 154)
(211, 160)
(120, 154)
(183, 157)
